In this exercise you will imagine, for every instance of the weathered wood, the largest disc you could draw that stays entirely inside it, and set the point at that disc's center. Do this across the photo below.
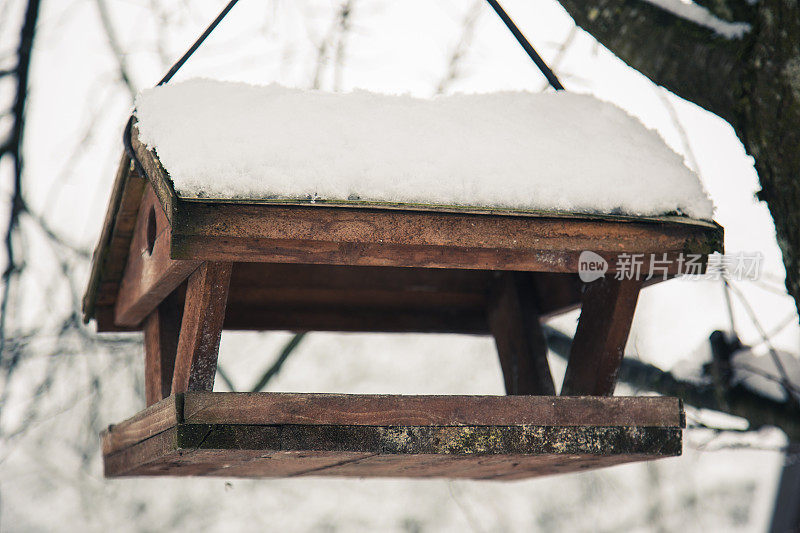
(381, 237)
(156, 175)
(354, 233)
(160, 459)
(521, 346)
(267, 434)
(414, 410)
(150, 274)
(599, 344)
(110, 254)
(201, 327)
(151, 421)
(275, 296)
(161, 328)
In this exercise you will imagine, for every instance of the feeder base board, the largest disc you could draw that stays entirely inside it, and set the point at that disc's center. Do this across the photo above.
(477, 437)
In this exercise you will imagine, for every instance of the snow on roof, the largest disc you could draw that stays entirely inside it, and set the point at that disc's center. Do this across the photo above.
(552, 152)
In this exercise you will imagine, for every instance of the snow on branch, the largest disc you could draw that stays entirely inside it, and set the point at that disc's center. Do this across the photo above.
(685, 57)
(703, 17)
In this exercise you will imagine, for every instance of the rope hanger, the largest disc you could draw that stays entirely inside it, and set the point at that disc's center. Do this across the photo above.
(518, 35)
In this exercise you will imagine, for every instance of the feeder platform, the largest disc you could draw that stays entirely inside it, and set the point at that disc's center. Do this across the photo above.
(181, 270)
(477, 437)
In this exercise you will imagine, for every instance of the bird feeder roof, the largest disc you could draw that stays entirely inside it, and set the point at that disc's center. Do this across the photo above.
(508, 181)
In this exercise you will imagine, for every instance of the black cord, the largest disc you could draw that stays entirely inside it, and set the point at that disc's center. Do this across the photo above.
(197, 43)
(126, 136)
(527, 46)
(537, 59)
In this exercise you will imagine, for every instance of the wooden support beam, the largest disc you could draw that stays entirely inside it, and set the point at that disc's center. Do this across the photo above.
(150, 274)
(161, 328)
(201, 328)
(606, 316)
(433, 238)
(521, 346)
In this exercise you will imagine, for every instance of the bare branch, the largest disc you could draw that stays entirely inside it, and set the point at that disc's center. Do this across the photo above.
(276, 366)
(13, 147)
(345, 21)
(786, 382)
(111, 35)
(738, 400)
(460, 50)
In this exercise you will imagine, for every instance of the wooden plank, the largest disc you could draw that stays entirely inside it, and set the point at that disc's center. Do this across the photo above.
(489, 437)
(267, 296)
(150, 274)
(109, 258)
(261, 464)
(326, 235)
(292, 285)
(151, 421)
(599, 343)
(402, 451)
(201, 327)
(480, 467)
(154, 454)
(288, 463)
(161, 328)
(520, 341)
(426, 410)
(156, 175)
(556, 293)
(442, 440)
(265, 318)
(274, 296)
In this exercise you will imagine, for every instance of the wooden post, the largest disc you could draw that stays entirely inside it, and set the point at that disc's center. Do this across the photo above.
(161, 328)
(201, 327)
(521, 346)
(599, 344)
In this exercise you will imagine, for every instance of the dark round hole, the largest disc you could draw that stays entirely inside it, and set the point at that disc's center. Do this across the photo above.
(151, 230)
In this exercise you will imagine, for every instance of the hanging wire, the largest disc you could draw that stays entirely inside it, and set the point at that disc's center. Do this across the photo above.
(551, 77)
(526, 45)
(178, 64)
(126, 136)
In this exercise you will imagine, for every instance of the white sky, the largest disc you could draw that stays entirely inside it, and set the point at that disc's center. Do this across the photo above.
(395, 47)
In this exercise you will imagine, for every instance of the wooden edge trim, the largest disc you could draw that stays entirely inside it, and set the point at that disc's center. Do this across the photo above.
(147, 423)
(297, 234)
(128, 461)
(270, 409)
(106, 235)
(444, 208)
(316, 408)
(204, 449)
(156, 174)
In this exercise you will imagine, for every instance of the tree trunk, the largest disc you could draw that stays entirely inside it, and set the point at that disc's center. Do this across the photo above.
(753, 82)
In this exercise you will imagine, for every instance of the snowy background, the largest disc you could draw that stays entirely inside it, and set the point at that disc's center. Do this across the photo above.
(68, 385)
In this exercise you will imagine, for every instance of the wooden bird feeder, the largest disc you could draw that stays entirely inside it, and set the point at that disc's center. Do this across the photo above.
(183, 270)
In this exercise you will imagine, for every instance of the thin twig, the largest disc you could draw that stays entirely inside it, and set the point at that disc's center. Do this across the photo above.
(276, 366)
(785, 381)
(113, 43)
(461, 48)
